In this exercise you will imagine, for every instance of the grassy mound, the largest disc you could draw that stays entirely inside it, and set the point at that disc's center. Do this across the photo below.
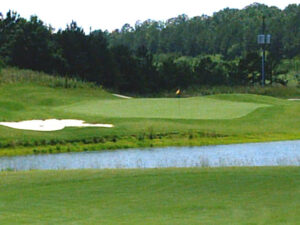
(14, 75)
(217, 119)
(168, 196)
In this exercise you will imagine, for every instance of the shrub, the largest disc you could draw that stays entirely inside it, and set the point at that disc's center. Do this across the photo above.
(1, 64)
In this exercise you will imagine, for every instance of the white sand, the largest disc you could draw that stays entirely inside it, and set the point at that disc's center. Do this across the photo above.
(122, 96)
(50, 125)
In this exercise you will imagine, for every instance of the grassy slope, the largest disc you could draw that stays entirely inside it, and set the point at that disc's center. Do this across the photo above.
(168, 196)
(20, 100)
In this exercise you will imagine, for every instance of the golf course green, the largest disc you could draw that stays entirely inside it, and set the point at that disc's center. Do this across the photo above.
(138, 122)
(166, 108)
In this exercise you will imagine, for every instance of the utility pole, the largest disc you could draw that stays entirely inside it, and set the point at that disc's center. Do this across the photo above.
(263, 79)
(263, 40)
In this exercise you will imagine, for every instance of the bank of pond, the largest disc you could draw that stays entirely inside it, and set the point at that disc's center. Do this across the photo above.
(284, 153)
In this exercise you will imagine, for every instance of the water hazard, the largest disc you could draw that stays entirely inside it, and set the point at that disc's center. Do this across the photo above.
(286, 153)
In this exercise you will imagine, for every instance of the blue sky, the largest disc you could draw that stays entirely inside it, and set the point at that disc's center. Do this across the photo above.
(112, 14)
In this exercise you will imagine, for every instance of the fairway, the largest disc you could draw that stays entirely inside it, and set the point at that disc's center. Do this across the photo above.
(165, 108)
(165, 196)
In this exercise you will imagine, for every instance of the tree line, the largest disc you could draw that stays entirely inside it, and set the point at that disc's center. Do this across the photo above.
(154, 56)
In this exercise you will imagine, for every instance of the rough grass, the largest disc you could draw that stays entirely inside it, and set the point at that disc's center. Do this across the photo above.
(276, 90)
(215, 119)
(165, 196)
(12, 75)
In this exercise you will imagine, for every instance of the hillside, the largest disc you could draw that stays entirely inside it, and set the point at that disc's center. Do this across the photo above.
(215, 119)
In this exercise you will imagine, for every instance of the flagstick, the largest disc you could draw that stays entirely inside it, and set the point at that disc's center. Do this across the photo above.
(179, 106)
(178, 93)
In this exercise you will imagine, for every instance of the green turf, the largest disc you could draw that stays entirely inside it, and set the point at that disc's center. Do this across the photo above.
(217, 119)
(165, 108)
(169, 196)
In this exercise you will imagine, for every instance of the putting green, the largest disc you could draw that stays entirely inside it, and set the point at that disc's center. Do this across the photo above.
(166, 108)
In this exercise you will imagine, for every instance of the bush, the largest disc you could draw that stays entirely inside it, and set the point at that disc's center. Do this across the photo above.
(1, 64)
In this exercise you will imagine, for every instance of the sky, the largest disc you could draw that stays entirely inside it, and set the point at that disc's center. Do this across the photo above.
(113, 14)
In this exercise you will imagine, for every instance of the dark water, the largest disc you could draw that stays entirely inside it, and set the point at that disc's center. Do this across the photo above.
(285, 153)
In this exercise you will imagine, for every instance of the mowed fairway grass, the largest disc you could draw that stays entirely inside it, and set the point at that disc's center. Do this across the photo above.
(161, 196)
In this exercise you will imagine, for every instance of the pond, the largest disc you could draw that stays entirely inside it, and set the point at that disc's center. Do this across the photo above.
(285, 153)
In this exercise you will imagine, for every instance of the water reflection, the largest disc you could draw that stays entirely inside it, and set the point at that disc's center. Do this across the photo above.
(260, 154)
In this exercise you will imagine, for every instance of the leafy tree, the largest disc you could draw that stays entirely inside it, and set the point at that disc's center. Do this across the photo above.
(153, 55)
(32, 46)
(126, 78)
(8, 29)
(249, 69)
(74, 46)
(99, 59)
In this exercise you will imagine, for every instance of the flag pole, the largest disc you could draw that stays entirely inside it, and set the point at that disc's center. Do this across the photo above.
(178, 95)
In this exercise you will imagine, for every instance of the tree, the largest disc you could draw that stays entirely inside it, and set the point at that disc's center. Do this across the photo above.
(126, 78)
(249, 68)
(74, 46)
(8, 29)
(32, 46)
(99, 59)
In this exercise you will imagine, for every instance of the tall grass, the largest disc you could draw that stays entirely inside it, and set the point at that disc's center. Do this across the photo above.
(13, 75)
(293, 68)
(275, 91)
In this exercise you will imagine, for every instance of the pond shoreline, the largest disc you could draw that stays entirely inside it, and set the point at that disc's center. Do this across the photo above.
(134, 142)
(283, 153)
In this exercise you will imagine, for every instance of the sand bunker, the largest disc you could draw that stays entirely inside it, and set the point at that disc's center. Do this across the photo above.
(50, 125)
(122, 96)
